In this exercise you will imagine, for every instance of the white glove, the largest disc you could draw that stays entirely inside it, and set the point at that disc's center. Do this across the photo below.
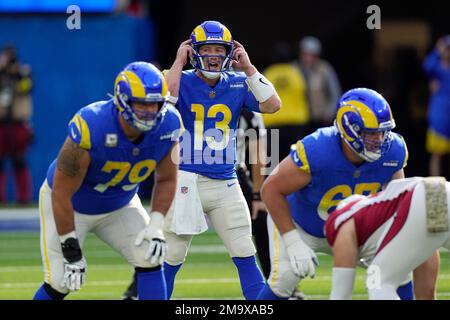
(153, 233)
(74, 274)
(302, 257)
(75, 266)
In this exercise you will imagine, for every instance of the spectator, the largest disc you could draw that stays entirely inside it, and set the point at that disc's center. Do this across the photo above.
(292, 119)
(323, 87)
(437, 67)
(15, 129)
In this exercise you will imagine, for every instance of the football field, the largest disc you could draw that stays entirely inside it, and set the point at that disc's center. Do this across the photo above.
(207, 274)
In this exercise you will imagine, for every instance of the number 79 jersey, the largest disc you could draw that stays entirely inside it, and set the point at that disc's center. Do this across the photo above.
(334, 178)
(117, 165)
(210, 116)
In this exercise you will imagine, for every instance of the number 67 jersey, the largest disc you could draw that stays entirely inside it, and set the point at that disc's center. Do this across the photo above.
(334, 178)
(117, 164)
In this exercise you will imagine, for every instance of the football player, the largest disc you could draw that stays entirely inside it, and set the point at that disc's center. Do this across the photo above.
(112, 146)
(211, 97)
(359, 154)
(394, 231)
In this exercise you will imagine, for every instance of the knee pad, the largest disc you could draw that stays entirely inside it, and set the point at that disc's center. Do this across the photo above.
(55, 287)
(387, 292)
(139, 260)
(283, 281)
(177, 248)
(242, 245)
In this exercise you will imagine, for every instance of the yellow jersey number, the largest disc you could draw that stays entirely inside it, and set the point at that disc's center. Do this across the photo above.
(223, 125)
(136, 174)
(333, 196)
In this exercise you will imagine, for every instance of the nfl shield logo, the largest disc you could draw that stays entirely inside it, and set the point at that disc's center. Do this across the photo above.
(184, 190)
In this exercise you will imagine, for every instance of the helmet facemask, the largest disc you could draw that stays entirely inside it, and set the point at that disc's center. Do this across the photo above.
(139, 119)
(375, 148)
(141, 83)
(212, 65)
(211, 34)
(361, 141)
(364, 121)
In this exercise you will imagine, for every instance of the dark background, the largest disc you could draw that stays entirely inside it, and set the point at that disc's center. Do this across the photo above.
(72, 68)
(347, 44)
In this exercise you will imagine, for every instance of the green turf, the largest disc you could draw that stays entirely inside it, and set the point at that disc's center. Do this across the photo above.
(208, 272)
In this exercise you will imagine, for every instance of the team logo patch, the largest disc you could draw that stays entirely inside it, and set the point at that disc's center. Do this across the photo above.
(184, 190)
(111, 140)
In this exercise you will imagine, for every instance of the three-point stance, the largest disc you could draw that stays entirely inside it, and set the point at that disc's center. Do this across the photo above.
(394, 231)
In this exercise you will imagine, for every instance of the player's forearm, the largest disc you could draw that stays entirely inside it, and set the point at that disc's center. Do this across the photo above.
(163, 194)
(343, 280)
(173, 77)
(257, 176)
(272, 105)
(278, 208)
(62, 212)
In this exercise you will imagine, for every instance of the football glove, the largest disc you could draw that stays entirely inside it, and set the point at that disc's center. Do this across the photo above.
(75, 266)
(153, 233)
(303, 259)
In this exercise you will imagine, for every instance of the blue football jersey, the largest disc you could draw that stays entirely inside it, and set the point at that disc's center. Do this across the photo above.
(117, 165)
(210, 116)
(333, 177)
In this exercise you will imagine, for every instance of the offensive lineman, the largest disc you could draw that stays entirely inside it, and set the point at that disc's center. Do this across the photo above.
(359, 154)
(111, 147)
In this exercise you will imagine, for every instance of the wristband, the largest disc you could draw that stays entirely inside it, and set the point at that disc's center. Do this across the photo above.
(66, 236)
(172, 100)
(261, 87)
(156, 219)
(71, 250)
(256, 196)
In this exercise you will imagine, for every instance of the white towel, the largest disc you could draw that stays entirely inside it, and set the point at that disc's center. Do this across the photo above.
(188, 217)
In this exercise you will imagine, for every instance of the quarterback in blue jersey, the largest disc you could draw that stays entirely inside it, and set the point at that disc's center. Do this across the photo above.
(358, 155)
(210, 99)
(112, 146)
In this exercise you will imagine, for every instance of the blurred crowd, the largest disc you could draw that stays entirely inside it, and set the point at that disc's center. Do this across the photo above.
(15, 128)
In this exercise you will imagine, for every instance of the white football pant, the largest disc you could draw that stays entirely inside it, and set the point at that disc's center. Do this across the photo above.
(223, 202)
(407, 250)
(118, 229)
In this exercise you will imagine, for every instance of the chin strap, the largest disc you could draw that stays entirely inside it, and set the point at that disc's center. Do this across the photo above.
(210, 75)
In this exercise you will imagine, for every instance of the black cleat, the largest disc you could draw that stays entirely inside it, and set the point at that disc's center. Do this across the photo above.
(131, 293)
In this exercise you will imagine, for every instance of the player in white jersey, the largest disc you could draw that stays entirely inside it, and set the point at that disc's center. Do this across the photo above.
(395, 231)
